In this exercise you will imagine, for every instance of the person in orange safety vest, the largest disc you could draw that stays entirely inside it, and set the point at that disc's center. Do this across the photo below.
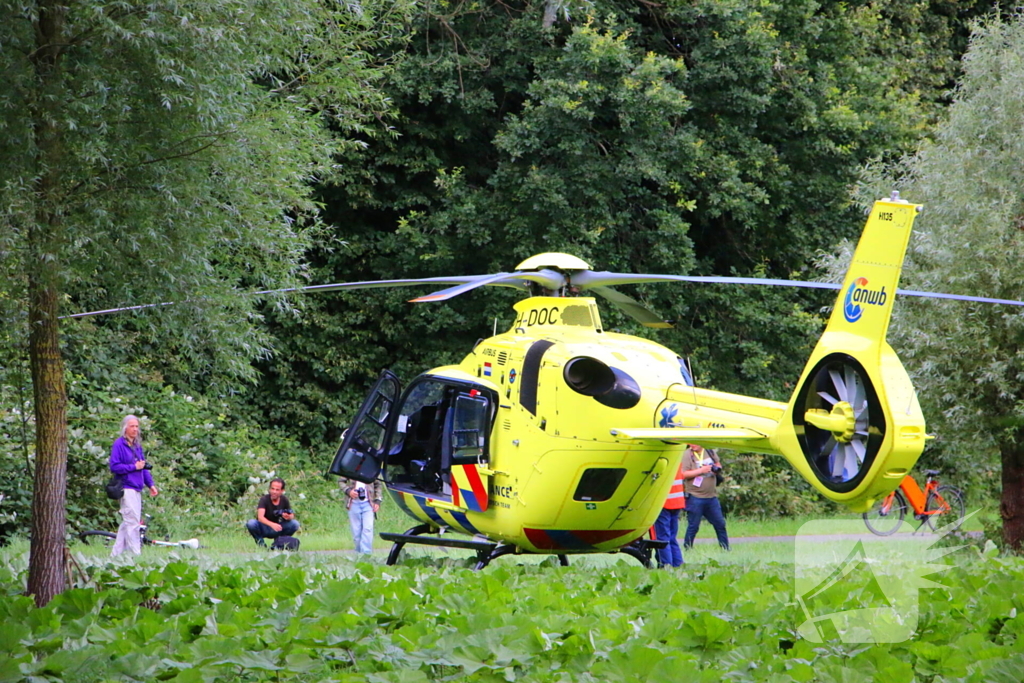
(667, 525)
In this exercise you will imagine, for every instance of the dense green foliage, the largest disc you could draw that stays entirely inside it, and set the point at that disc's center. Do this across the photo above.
(704, 137)
(189, 134)
(296, 619)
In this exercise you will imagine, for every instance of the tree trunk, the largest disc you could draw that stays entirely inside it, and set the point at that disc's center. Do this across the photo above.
(1011, 506)
(46, 561)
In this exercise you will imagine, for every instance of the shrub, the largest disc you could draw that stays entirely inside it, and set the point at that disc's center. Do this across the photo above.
(753, 490)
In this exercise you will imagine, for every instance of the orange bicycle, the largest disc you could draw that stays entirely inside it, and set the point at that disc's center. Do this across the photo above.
(937, 505)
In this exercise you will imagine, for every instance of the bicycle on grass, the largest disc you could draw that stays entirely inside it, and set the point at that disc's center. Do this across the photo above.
(937, 506)
(106, 538)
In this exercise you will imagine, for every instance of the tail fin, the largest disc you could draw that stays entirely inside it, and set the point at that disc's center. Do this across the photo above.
(854, 427)
(864, 305)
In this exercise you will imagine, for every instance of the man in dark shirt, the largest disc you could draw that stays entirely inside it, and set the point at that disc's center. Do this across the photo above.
(274, 516)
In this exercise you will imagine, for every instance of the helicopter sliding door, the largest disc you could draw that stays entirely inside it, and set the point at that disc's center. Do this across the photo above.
(361, 454)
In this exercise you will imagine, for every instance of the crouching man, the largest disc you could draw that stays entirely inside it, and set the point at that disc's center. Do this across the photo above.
(274, 516)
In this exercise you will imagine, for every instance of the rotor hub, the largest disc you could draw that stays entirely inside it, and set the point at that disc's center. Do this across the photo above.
(841, 421)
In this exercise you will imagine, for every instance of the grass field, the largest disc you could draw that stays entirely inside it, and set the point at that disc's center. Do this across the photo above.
(326, 532)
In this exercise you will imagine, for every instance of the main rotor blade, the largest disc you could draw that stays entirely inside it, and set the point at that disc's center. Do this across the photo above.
(590, 279)
(341, 286)
(599, 281)
(372, 284)
(631, 307)
(549, 279)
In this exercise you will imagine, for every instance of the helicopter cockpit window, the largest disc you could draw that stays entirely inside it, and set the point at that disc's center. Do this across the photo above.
(598, 484)
(685, 371)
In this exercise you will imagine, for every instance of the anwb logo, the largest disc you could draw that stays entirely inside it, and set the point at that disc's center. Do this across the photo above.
(854, 587)
(857, 294)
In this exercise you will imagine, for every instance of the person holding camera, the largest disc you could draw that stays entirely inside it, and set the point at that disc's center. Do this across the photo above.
(274, 515)
(363, 502)
(701, 470)
(128, 463)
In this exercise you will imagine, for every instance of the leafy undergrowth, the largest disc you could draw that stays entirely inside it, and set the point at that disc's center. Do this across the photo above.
(303, 618)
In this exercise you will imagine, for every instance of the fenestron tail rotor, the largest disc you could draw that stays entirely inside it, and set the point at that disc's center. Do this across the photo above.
(842, 424)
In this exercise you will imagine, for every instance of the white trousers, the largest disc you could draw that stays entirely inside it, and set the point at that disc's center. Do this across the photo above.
(128, 536)
(360, 517)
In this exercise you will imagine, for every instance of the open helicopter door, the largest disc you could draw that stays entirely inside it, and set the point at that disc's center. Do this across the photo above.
(466, 441)
(361, 453)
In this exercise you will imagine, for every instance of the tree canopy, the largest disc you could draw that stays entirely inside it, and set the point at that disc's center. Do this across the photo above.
(681, 137)
(165, 152)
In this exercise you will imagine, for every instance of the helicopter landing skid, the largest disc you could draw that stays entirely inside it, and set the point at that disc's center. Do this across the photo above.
(487, 552)
(414, 535)
(642, 549)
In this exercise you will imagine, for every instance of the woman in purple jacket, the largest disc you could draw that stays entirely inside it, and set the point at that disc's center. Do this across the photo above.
(128, 462)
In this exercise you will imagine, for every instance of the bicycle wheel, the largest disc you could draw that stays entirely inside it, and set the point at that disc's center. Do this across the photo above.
(948, 505)
(95, 537)
(885, 522)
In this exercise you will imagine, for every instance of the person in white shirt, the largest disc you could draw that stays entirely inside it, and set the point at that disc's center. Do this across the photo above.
(363, 501)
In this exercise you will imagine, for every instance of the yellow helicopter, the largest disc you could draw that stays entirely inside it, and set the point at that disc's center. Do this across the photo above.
(560, 437)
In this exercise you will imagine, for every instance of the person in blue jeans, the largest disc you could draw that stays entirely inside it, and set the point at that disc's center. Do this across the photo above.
(274, 515)
(666, 526)
(699, 468)
(363, 501)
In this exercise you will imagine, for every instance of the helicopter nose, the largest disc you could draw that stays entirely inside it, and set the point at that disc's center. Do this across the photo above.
(607, 385)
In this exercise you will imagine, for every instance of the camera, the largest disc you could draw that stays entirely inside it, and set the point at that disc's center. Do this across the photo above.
(362, 494)
(147, 466)
(285, 511)
(715, 467)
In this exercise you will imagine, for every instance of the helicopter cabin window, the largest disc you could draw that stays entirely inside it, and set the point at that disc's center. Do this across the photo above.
(469, 429)
(599, 483)
(440, 424)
